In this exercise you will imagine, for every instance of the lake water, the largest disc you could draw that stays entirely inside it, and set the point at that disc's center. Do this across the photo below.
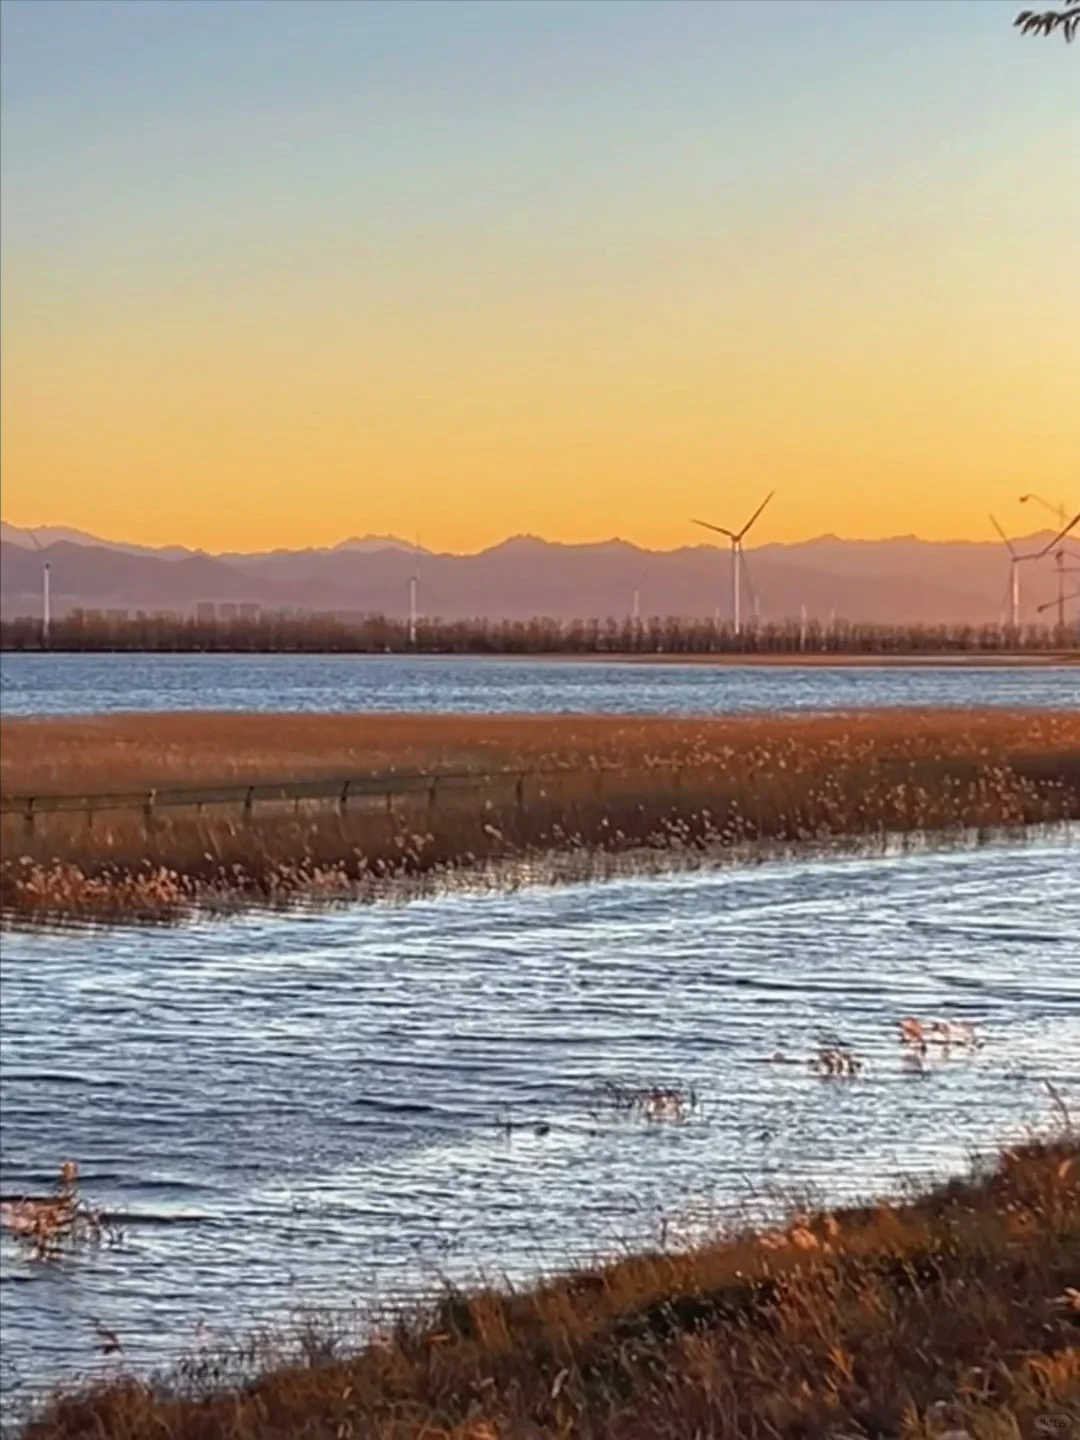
(310, 1110)
(75, 684)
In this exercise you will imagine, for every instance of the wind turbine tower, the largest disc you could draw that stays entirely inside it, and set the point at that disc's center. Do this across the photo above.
(737, 537)
(1015, 561)
(46, 597)
(414, 595)
(635, 609)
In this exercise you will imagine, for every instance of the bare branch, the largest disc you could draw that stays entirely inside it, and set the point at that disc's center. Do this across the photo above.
(1045, 22)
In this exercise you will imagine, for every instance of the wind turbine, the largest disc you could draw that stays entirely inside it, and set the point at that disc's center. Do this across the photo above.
(1015, 561)
(46, 607)
(1060, 513)
(736, 537)
(1058, 546)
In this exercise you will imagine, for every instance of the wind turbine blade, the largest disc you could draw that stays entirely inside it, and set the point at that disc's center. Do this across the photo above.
(718, 528)
(755, 515)
(1050, 604)
(1004, 537)
(1058, 537)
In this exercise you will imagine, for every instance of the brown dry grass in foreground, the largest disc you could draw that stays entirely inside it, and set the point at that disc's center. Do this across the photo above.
(956, 1311)
(592, 786)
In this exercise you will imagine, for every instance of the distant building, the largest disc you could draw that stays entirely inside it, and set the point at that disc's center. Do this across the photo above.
(226, 611)
(248, 611)
(206, 611)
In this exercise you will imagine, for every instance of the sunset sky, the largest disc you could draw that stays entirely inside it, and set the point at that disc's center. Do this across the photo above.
(277, 273)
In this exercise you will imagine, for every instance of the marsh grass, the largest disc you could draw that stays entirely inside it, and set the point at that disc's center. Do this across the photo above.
(953, 1310)
(652, 1103)
(53, 1225)
(571, 786)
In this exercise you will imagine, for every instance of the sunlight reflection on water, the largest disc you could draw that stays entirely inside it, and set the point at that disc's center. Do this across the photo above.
(312, 1109)
(75, 684)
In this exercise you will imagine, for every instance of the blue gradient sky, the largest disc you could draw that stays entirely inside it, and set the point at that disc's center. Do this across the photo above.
(276, 272)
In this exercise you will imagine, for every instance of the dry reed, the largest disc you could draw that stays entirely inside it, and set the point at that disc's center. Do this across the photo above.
(577, 785)
(52, 1224)
(956, 1313)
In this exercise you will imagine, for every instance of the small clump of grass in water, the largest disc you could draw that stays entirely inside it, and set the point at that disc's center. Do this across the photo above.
(53, 1225)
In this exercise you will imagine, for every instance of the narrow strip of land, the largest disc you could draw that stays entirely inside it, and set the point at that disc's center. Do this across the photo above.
(552, 786)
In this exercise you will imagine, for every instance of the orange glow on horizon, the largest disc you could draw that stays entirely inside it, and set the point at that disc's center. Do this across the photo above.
(508, 284)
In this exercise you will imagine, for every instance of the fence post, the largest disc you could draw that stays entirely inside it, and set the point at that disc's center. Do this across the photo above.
(249, 800)
(28, 817)
(520, 791)
(343, 798)
(433, 793)
(148, 810)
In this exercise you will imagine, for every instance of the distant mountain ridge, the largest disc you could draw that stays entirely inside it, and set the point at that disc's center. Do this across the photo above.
(903, 580)
(43, 535)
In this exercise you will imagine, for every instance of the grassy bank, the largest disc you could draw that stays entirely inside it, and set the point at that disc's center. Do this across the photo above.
(564, 784)
(955, 1311)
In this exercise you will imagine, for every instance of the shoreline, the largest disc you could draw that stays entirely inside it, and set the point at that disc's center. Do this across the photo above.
(811, 660)
(863, 1319)
(767, 660)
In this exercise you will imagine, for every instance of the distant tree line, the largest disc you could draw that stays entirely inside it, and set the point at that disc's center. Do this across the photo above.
(376, 634)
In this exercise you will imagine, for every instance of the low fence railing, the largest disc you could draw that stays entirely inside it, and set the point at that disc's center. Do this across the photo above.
(1060, 771)
(341, 791)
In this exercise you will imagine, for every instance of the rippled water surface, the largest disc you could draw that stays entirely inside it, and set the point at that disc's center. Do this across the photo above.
(73, 684)
(311, 1110)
